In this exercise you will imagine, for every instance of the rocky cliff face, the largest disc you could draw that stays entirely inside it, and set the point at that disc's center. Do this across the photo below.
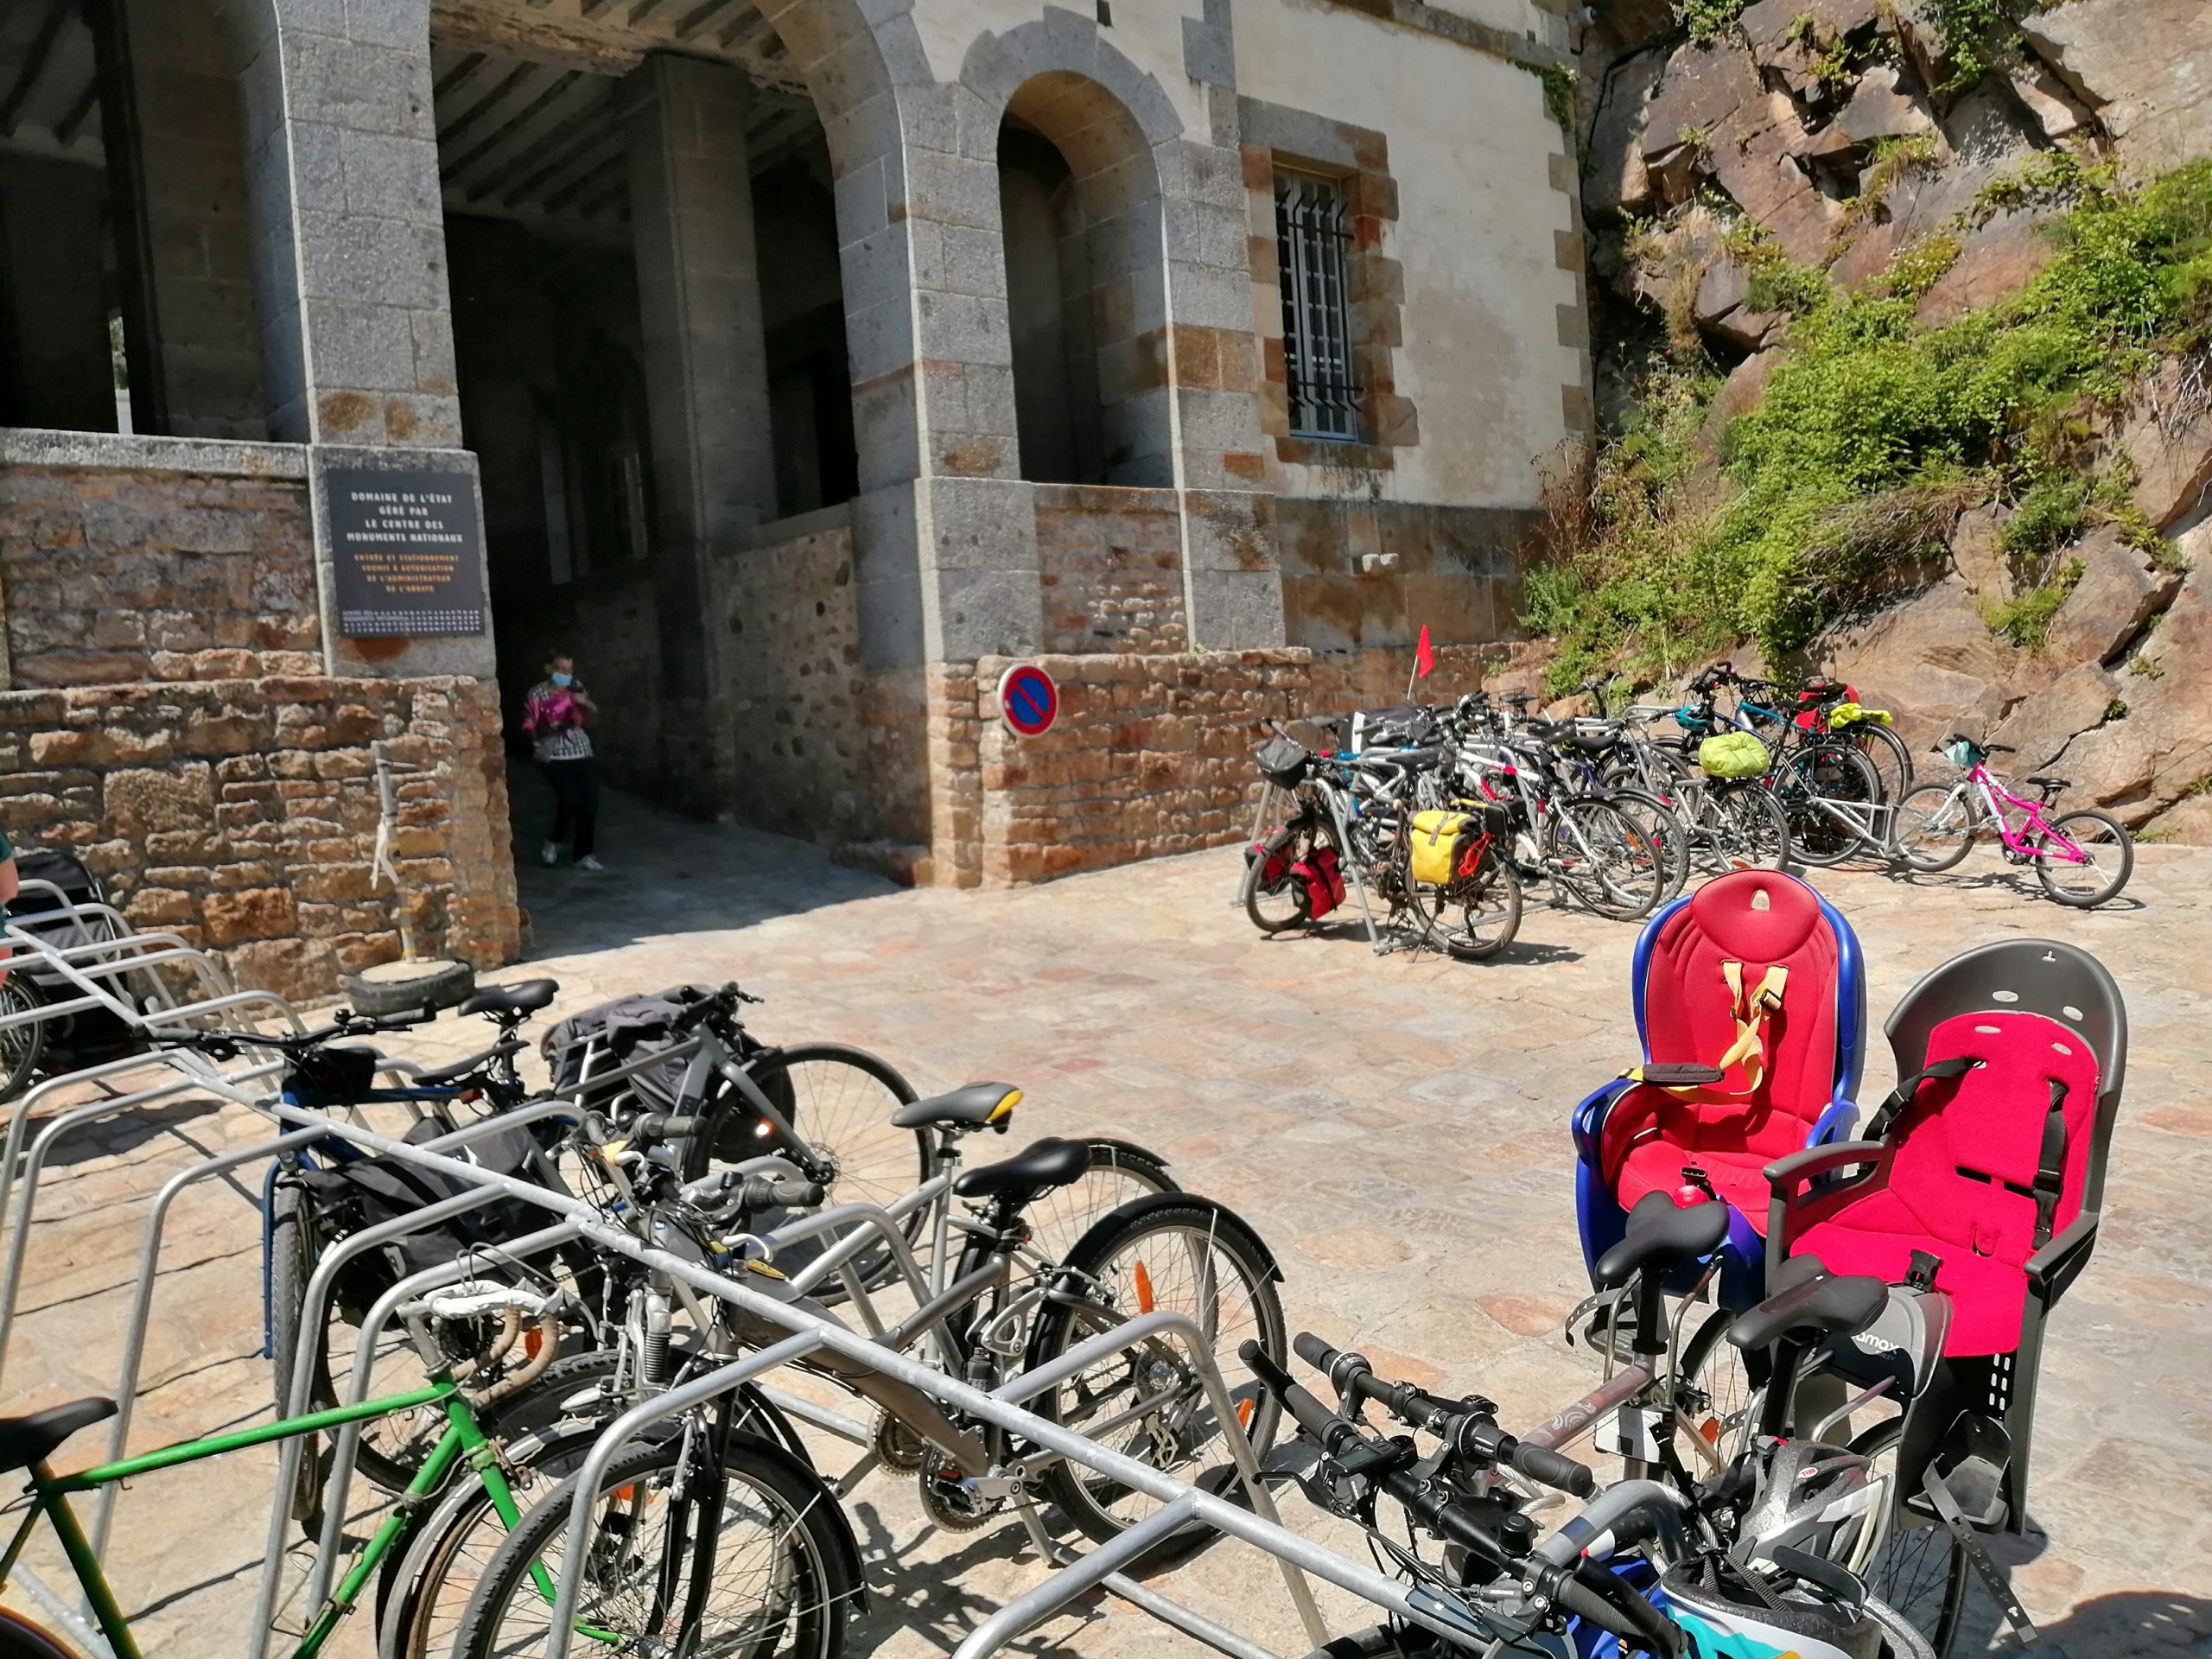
(1847, 133)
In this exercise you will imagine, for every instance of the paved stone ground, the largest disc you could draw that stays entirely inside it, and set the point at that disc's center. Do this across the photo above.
(1395, 1128)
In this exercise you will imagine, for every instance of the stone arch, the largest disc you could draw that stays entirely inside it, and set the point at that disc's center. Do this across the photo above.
(1076, 135)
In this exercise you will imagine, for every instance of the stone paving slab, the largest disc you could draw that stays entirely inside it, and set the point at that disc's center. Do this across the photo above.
(1395, 1127)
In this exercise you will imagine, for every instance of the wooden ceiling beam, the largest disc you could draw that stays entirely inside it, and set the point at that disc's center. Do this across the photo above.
(459, 75)
(506, 131)
(66, 129)
(699, 16)
(501, 91)
(34, 63)
(588, 179)
(599, 134)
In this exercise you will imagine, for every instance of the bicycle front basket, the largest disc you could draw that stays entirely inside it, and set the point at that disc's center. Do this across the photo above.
(1282, 761)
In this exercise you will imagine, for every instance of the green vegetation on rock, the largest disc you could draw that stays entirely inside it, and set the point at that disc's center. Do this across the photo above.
(1874, 431)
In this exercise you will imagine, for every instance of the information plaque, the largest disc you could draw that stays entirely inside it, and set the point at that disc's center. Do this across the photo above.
(408, 550)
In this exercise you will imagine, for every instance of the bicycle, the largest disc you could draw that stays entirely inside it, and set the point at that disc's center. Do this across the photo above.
(1005, 1311)
(2082, 858)
(1641, 1567)
(29, 1443)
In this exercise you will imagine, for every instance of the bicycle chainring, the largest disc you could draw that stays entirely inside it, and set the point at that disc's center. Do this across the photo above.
(950, 1499)
(899, 1447)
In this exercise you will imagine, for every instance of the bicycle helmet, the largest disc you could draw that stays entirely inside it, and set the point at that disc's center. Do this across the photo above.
(1727, 1615)
(1807, 1491)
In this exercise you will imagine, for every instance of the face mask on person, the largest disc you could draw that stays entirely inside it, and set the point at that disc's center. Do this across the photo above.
(562, 679)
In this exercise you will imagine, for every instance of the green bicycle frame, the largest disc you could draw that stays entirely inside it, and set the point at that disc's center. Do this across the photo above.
(463, 1439)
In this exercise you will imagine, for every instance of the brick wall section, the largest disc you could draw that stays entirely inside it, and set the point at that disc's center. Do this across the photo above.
(109, 575)
(241, 815)
(1151, 754)
(1111, 564)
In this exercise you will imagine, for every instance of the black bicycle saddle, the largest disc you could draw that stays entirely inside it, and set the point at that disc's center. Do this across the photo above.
(1662, 1235)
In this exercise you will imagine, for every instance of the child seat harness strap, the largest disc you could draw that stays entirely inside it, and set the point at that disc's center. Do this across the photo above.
(1751, 1012)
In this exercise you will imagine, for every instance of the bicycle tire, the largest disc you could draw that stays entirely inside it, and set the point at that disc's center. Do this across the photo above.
(1495, 886)
(1893, 770)
(1940, 839)
(824, 1572)
(1727, 1381)
(1121, 1171)
(22, 1047)
(1627, 895)
(1746, 827)
(1111, 1257)
(1815, 838)
(1291, 842)
(20, 1639)
(1665, 828)
(1921, 1575)
(2116, 838)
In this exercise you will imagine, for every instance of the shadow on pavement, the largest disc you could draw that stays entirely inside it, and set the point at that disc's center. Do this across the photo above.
(2118, 1626)
(665, 875)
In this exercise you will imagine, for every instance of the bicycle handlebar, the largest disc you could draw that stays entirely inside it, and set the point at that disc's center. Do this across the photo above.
(1469, 1427)
(1574, 1587)
(223, 1045)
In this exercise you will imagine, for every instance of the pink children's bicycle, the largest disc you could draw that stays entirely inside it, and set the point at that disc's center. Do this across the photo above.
(2082, 858)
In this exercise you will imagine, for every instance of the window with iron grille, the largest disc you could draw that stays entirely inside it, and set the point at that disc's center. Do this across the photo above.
(1312, 230)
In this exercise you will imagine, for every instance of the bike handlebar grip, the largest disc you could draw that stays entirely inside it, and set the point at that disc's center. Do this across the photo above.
(664, 1126)
(1315, 1351)
(1635, 1621)
(1308, 1412)
(1552, 1469)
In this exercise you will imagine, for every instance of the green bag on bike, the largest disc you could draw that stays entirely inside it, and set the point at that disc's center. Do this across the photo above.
(1732, 754)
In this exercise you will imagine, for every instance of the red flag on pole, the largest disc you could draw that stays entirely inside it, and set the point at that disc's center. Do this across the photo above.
(1424, 657)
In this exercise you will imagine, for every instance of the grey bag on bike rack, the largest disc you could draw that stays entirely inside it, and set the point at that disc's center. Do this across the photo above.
(603, 1039)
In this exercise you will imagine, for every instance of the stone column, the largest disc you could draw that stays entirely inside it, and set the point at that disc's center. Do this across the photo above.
(705, 361)
(349, 228)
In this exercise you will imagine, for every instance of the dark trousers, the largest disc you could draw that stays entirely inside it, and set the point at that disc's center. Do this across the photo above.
(576, 801)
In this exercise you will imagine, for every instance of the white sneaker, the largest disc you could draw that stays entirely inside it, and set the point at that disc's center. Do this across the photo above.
(550, 853)
(588, 862)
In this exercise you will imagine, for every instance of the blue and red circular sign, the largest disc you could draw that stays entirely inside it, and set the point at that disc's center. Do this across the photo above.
(1028, 700)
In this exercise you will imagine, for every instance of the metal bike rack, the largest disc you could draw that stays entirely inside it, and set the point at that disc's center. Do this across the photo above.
(810, 1331)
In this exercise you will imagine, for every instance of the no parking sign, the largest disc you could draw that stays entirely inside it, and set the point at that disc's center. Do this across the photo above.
(1028, 700)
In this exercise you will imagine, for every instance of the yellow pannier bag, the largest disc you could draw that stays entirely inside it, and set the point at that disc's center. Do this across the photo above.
(1732, 754)
(1436, 836)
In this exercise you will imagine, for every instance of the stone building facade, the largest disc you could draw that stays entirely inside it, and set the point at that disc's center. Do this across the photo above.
(805, 359)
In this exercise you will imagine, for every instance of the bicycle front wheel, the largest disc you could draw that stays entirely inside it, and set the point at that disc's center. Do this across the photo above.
(1920, 1572)
(1180, 1255)
(2085, 860)
(1935, 828)
(1603, 860)
(840, 1100)
(749, 1559)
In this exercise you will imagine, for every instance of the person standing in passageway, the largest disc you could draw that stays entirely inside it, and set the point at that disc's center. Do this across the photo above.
(556, 717)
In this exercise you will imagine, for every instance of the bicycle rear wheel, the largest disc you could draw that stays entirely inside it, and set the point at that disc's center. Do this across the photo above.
(1472, 917)
(1888, 754)
(840, 1100)
(1827, 771)
(1663, 825)
(1182, 1254)
(1274, 899)
(1119, 1172)
(1920, 1572)
(2107, 859)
